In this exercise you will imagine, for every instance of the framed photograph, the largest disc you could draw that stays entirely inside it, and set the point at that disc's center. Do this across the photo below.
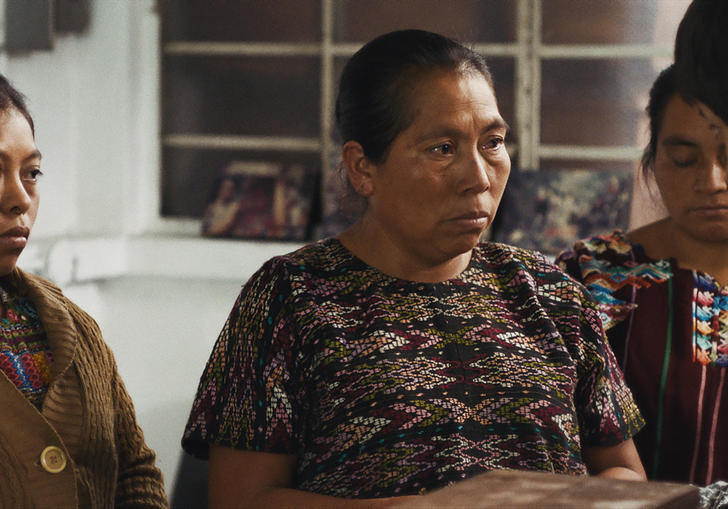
(550, 210)
(261, 200)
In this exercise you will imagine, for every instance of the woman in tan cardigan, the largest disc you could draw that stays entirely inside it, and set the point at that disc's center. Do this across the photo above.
(68, 434)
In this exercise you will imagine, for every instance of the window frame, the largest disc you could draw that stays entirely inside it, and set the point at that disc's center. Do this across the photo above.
(528, 52)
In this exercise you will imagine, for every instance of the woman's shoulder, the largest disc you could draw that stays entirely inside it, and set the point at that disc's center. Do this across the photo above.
(26, 283)
(517, 267)
(499, 254)
(508, 259)
(49, 298)
(656, 238)
(499, 251)
(45, 294)
(616, 244)
(320, 256)
(305, 267)
(68, 326)
(610, 253)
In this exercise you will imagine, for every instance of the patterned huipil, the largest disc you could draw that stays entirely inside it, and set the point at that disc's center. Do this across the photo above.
(25, 355)
(668, 328)
(383, 387)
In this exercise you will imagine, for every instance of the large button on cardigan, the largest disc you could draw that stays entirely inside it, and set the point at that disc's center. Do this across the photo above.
(87, 414)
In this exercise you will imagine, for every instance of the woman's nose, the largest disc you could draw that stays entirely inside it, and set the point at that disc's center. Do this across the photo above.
(476, 173)
(713, 177)
(14, 198)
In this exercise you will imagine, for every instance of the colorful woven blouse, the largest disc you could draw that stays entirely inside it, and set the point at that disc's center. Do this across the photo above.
(25, 355)
(384, 387)
(669, 329)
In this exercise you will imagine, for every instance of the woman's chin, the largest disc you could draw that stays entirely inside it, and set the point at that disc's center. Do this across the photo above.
(464, 244)
(471, 239)
(7, 264)
(711, 233)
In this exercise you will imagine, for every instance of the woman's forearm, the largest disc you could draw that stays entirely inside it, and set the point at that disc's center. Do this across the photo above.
(623, 473)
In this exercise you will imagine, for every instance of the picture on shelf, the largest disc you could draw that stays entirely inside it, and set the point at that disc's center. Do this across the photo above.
(261, 200)
(549, 210)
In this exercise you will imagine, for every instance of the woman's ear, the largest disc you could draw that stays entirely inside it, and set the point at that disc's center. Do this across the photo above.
(358, 168)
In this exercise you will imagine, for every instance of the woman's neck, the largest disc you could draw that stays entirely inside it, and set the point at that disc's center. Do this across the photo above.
(663, 239)
(381, 251)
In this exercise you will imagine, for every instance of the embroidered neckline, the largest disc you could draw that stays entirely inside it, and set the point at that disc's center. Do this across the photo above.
(709, 300)
(710, 321)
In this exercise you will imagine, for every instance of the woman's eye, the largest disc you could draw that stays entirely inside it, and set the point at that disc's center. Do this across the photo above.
(33, 175)
(683, 156)
(494, 143)
(684, 163)
(445, 148)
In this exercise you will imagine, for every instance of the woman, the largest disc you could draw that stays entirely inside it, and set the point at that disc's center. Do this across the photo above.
(402, 355)
(663, 294)
(68, 435)
(701, 59)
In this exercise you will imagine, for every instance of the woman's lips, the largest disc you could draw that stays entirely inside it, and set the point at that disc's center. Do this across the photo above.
(710, 211)
(474, 220)
(15, 238)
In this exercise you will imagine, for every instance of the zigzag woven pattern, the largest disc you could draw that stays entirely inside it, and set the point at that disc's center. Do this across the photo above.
(710, 332)
(604, 277)
(385, 387)
(25, 355)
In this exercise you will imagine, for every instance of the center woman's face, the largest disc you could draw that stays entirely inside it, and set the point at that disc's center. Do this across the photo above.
(691, 171)
(441, 183)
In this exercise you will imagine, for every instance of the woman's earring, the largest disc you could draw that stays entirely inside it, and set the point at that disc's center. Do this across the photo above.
(364, 189)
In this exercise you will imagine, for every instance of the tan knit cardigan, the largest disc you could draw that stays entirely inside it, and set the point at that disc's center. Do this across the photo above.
(86, 412)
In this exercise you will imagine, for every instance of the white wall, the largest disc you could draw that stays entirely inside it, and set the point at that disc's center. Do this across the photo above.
(162, 331)
(94, 99)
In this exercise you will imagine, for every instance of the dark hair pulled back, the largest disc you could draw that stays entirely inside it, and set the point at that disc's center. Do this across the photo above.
(10, 98)
(663, 89)
(701, 55)
(375, 90)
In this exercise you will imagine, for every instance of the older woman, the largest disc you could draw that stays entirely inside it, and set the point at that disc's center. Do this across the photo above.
(68, 435)
(403, 355)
